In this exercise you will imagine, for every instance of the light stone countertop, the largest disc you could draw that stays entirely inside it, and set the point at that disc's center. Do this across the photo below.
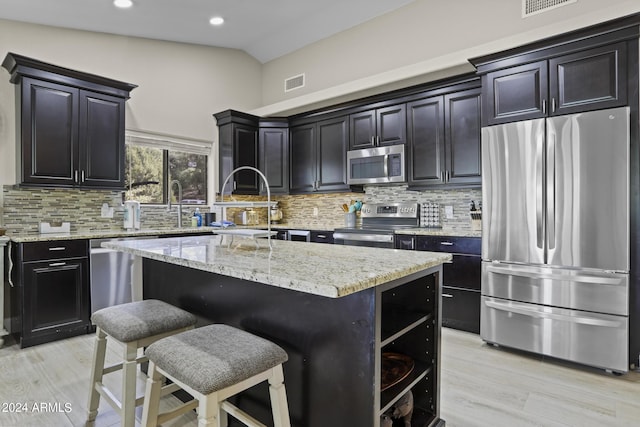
(316, 268)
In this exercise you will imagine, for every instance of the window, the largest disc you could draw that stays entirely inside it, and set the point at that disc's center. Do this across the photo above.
(152, 162)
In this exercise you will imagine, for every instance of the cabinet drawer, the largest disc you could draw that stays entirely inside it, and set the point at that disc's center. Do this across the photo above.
(55, 249)
(322, 236)
(459, 245)
(461, 309)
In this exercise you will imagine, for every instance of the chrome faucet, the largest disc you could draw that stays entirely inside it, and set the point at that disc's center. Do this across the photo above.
(175, 181)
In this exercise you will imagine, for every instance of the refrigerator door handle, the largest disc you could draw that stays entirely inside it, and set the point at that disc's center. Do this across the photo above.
(583, 278)
(534, 312)
(539, 194)
(551, 190)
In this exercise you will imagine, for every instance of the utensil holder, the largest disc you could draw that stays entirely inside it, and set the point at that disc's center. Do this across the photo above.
(350, 219)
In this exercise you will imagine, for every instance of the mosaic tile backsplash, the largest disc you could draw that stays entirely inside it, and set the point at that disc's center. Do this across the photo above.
(24, 208)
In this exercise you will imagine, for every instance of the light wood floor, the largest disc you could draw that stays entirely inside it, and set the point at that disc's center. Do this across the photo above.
(481, 386)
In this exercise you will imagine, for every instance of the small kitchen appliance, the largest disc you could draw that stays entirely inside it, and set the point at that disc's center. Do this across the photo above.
(131, 215)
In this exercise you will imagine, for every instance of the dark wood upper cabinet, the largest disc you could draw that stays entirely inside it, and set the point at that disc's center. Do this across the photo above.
(302, 158)
(462, 137)
(444, 140)
(518, 93)
(238, 146)
(101, 132)
(568, 80)
(318, 155)
(426, 152)
(378, 127)
(332, 146)
(71, 125)
(273, 159)
(595, 78)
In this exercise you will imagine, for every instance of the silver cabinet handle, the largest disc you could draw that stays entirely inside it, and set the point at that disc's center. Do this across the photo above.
(321, 236)
(553, 105)
(373, 140)
(544, 106)
(75, 176)
(57, 264)
(58, 248)
(378, 140)
(446, 243)
(447, 296)
(82, 177)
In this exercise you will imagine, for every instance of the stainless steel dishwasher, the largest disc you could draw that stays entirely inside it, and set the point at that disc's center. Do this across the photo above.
(110, 274)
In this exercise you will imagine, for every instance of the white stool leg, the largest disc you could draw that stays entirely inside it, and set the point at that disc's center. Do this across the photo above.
(209, 414)
(278, 395)
(128, 400)
(97, 369)
(152, 397)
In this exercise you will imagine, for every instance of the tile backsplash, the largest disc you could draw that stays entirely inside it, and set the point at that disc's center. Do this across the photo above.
(25, 208)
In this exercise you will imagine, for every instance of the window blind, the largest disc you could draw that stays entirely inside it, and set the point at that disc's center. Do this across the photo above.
(168, 142)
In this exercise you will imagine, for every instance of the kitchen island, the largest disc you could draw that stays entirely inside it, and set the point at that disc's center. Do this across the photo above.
(335, 310)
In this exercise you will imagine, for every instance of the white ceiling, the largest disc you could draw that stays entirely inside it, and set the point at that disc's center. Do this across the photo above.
(265, 29)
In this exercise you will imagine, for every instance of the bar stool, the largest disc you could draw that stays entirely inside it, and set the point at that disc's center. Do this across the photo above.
(136, 325)
(214, 363)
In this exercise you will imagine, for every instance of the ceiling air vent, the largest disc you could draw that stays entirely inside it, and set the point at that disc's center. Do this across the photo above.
(533, 7)
(295, 82)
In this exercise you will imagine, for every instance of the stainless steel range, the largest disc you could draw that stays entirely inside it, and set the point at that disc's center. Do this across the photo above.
(379, 223)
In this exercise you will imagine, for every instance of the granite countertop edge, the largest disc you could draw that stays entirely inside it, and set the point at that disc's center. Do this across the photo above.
(288, 265)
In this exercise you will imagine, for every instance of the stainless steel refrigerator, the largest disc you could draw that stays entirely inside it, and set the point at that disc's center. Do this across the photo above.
(555, 237)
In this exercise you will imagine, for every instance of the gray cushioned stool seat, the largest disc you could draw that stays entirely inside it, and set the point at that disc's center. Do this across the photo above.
(136, 320)
(214, 357)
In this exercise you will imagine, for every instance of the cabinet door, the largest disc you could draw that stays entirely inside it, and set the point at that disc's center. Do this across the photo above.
(56, 300)
(245, 153)
(332, 146)
(362, 130)
(462, 135)
(391, 125)
(102, 134)
(516, 93)
(426, 141)
(588, 80)
(49, 127)
(461, 309)
(302, 164)
(274, 158)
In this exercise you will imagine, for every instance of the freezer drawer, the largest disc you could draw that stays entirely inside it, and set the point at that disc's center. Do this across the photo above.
(592, 339)
(575, 289)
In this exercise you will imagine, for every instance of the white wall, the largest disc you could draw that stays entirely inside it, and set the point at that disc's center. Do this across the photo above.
(180, 86)
(420, 42)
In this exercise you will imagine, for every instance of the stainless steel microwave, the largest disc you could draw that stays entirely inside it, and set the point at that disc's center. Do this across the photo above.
(376, 165)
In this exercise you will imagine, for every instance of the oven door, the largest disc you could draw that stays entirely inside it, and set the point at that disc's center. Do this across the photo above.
(364, 239)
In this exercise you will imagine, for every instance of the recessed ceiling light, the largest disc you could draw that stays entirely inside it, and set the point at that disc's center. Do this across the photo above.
(216, 20)
(123, 3)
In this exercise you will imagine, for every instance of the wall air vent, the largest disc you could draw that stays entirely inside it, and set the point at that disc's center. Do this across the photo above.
(533, 7)
(295, 82)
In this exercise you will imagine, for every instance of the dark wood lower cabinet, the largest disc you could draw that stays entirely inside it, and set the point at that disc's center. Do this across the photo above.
(461, 309)
(460, 278)
(50, 297)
